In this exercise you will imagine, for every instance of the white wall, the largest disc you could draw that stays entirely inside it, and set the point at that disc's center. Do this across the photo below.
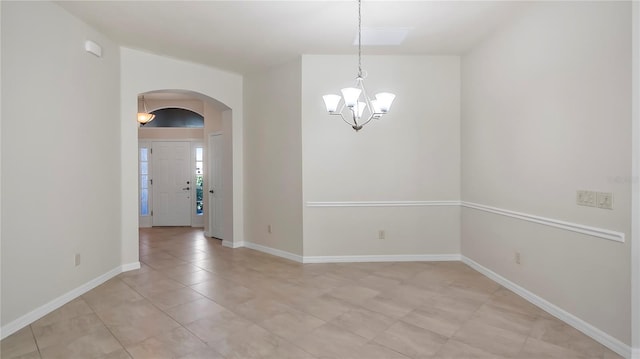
(229, 180)
(273, 150)
(635, 186)
(1, 231)
(143, 72)
(545, 112)
(411, 154)
(60, 158)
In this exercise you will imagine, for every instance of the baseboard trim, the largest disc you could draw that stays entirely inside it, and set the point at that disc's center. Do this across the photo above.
(129, 266)
(353, 259)
(383, 204)
(49, 307)
(569, 226)
(383, 258)
(586, 328)
(274, 251)
(232, 244)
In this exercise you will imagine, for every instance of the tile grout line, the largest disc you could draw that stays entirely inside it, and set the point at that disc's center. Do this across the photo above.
(240, 270)
(33, 335)
(452, 337)
(172, 318)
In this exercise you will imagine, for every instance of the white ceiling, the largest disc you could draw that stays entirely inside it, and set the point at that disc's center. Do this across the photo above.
(246, 36)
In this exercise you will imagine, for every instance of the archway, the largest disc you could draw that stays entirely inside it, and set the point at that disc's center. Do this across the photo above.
(212, 112)
(143, 73)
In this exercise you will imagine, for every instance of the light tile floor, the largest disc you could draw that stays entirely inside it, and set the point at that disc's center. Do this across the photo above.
(193, 298)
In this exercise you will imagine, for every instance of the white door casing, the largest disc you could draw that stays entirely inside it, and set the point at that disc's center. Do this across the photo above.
(171, 183)
(215, 185)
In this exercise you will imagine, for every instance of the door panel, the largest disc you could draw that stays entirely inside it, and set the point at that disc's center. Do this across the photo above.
(171, 184)
(215, 185)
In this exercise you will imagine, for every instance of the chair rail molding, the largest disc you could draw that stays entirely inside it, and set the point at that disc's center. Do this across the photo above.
(383, 204)
(569, 226)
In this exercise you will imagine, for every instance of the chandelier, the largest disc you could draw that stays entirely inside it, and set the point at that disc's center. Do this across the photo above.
(362, 109)
(145, 117)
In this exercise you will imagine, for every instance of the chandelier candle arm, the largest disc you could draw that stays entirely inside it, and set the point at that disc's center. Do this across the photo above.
(355, 98)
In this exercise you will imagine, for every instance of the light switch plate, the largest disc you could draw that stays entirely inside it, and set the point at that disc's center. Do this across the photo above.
(586, 198)
(605, 200)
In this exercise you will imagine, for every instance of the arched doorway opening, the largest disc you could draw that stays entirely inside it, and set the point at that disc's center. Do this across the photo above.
(205, 153)
(142, 73)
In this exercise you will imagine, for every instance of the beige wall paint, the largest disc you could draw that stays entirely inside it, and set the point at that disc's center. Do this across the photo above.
(273, 158)
(60, 163)
(410, 231)
(412, 154)
(545, 112)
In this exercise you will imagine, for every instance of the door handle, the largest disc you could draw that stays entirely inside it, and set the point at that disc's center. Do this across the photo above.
(186, 189)
(210, 191)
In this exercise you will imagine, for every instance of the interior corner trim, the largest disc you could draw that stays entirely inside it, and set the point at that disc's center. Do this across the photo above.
(569, 226)
(383, 204)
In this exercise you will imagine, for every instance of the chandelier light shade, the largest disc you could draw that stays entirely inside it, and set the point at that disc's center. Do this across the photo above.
(145, 117)
(361, 109)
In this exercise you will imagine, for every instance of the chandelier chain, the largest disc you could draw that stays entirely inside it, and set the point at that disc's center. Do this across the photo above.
(360, 38)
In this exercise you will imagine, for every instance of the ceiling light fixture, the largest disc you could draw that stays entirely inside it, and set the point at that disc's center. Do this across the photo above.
(362, 112)
(145, 117)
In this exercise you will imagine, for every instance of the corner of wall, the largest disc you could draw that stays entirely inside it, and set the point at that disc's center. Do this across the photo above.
(635, 186)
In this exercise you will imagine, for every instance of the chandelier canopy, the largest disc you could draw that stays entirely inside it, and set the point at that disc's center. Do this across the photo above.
(362, 109)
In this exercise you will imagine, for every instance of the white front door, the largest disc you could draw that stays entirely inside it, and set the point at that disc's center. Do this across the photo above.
(215, 185)
(171, 184)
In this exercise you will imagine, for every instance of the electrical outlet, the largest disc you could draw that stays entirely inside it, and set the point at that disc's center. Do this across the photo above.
(77, 259)
(605, 200)
(516, 257)
(382, 234)
(586, 198)
(269, 228)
